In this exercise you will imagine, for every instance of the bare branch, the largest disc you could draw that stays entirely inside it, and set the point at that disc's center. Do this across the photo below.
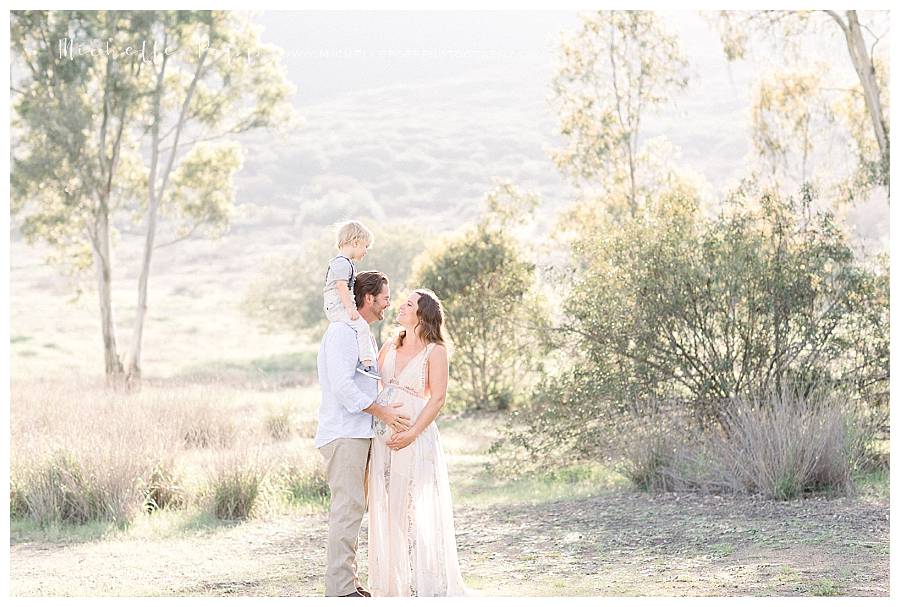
(187, 235)
(839, 21)
(181, 121)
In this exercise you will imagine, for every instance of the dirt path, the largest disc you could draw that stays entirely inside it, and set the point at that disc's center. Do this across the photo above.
(619, 543)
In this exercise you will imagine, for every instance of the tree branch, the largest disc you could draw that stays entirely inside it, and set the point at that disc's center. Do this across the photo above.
(190, 233)
(837, 18)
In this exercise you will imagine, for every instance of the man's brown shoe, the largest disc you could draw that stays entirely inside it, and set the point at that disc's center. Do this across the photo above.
(354, 593)
(363, 591)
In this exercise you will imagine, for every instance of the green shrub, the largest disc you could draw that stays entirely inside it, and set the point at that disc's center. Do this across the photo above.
(304, 485)
(769, 292)
(696, 312)
(235, 490)
(488, 288)
(163, 489)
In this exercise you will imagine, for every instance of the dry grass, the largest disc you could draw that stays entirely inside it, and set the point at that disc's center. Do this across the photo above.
(778, 446)
(81, 453)
(234, 486)
(78, 457)
(279, 424)
(781, 446)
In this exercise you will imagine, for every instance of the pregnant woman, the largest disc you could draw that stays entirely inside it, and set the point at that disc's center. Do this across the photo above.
(412, 543)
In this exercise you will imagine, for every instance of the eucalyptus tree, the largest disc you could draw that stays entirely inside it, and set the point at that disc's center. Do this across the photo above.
(129, 114)
(616, 68)
(867, 102)
(790, 119)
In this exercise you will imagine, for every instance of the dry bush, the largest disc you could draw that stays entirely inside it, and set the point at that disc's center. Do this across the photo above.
(779, 446)
(235, 485)
(279, 424)
(164, 488)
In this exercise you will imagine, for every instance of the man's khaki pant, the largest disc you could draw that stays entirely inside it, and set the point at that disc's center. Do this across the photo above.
(346, 466)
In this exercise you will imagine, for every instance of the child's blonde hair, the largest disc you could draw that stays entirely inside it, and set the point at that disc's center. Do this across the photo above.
(353, 230)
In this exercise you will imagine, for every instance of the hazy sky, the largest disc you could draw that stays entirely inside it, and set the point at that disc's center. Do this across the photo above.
(333, 53)
(425, 109)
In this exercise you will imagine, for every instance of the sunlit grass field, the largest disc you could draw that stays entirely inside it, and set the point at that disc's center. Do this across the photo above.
(223, 431)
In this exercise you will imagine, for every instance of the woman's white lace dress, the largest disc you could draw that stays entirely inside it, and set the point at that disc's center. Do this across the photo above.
(412, 543)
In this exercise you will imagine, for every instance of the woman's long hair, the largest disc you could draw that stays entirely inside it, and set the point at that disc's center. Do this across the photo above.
(430, 314)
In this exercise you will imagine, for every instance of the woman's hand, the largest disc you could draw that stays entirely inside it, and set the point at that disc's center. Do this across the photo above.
(390, 415)
(401, 440)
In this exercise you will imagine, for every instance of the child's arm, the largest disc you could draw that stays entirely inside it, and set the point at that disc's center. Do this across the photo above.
(344, 294)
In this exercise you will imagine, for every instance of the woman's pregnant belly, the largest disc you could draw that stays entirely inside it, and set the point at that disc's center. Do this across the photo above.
(411, 407)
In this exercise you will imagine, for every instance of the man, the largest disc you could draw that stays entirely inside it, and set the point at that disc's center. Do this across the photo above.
(345, 431)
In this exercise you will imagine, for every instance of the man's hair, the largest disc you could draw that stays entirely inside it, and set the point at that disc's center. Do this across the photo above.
(350, 231)
(371, 283)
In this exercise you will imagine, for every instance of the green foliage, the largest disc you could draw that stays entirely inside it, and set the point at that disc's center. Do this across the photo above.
(872, 168)
(700, 311)
(819, 93)
(203, 187)
(58, 168)
(305, 485)
(104, 135)
(789, 118)
(618, 66)
(235, 490)
(706, 310)
(492, 307)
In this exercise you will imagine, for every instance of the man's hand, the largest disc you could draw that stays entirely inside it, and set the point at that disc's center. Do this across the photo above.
(393, 419)
(401, 440)
(354, 315)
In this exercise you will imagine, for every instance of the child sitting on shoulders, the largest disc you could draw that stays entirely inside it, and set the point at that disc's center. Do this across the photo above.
(353, 242)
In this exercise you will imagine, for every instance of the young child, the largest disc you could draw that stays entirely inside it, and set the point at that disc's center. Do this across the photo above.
(353, 242)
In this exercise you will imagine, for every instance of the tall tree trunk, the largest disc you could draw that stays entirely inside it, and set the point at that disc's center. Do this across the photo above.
(865, 69)
(154, 197)
(103, 265)
(134, 359)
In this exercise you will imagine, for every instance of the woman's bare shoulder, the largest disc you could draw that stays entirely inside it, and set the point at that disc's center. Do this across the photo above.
(439, 350)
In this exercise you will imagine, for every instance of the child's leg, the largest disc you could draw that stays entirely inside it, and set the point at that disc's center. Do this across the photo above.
(337, 314)
(364, 340)
(364, 343)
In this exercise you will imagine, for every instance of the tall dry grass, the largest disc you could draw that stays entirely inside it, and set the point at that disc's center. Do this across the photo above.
(81, 453)
(783, 445)
(775, 445)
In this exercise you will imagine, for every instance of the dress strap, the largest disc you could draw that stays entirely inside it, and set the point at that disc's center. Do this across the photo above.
(428, 350)
(391, 355)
